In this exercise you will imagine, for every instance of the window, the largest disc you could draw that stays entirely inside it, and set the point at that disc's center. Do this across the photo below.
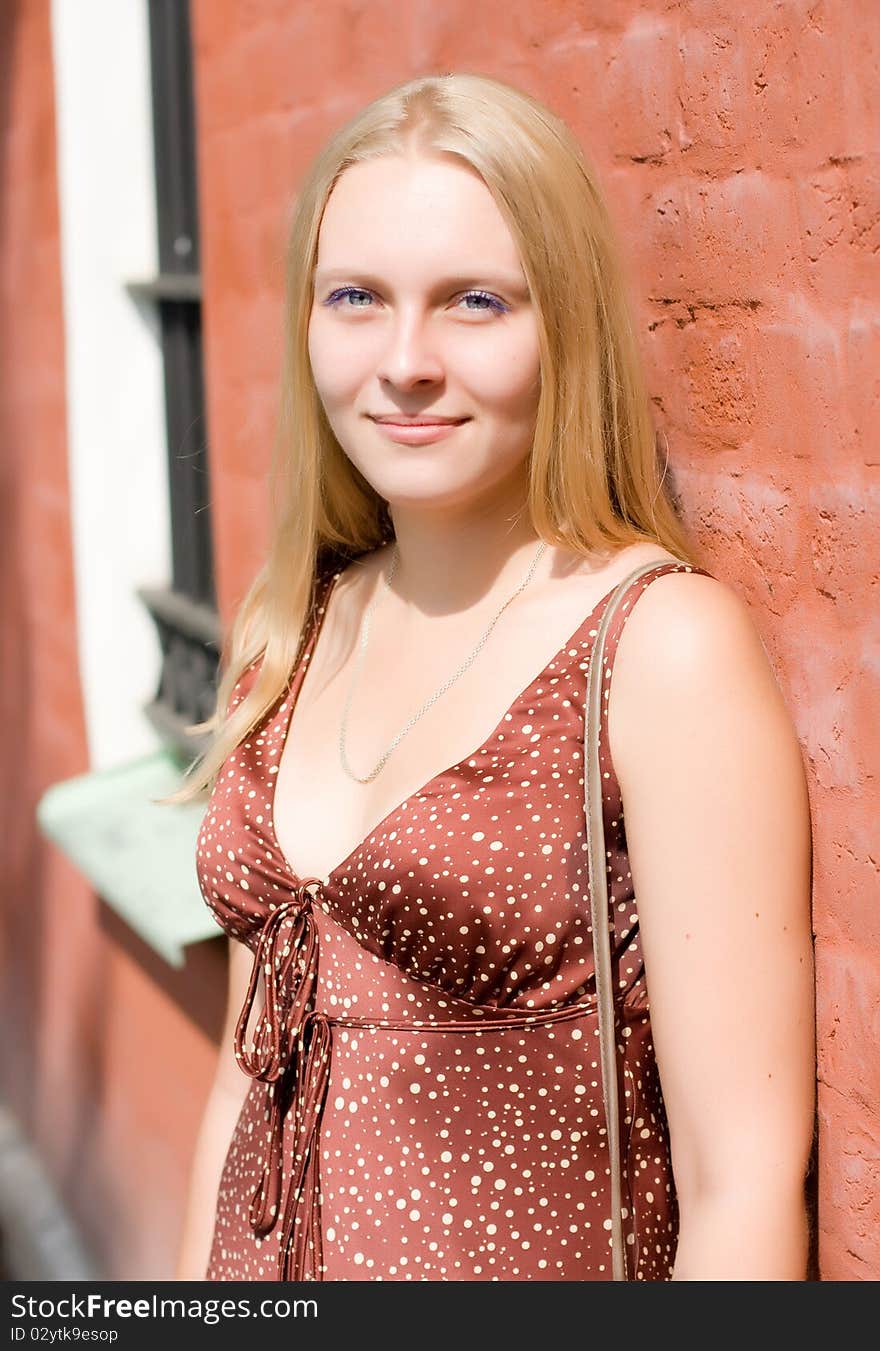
(185, 613)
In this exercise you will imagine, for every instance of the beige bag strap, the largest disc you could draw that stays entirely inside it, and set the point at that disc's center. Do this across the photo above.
(598, 688)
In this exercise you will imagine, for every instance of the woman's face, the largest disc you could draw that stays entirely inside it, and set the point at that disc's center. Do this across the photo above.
(421, 311)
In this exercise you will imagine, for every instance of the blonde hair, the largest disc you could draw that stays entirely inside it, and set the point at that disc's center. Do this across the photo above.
(594, 479)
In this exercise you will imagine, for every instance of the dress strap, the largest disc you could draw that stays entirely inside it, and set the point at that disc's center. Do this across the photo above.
(595, 778)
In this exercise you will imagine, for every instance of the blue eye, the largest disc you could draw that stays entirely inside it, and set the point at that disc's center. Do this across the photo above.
(345, 291)
(494, 304)
(491, 304)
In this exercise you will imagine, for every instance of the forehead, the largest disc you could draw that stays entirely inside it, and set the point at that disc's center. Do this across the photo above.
(403, 209)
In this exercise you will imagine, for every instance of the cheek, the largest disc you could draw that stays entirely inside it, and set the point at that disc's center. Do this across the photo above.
(342, 364)
(505, 375)
(338, 365)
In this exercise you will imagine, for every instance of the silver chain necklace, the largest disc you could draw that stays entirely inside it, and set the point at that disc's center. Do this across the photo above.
(365, 630)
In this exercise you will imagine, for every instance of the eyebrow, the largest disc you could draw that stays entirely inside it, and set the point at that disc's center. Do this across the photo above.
(502, 281)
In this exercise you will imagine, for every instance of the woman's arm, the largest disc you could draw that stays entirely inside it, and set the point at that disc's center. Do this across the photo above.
(228, 1091)
(718, 830)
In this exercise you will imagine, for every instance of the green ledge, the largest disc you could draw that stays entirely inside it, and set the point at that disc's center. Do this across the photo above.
(139, 856)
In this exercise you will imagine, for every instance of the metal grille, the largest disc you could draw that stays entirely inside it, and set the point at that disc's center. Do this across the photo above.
(185, 614)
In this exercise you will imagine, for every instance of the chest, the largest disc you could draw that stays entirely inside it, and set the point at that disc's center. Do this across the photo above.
(500, 715)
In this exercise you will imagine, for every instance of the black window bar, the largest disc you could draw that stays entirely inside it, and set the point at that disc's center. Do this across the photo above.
(185, 613)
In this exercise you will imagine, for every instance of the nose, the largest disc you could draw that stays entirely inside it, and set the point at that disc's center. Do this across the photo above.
(410, 355)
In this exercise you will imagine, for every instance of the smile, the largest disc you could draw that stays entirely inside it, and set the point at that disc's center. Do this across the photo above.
(418, 433)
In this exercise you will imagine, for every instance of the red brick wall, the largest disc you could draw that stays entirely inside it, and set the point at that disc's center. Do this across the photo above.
(105, 1051)
(40, 710)
(741, 161)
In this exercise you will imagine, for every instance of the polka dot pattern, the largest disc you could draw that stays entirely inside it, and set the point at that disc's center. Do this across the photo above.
(426, 1100)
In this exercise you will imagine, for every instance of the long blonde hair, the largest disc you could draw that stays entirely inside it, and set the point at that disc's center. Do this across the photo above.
(594, 479)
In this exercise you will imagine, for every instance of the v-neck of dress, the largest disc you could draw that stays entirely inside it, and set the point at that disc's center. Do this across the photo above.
(293, 697)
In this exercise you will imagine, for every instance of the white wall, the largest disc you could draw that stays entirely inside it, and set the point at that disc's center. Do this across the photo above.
(115, 397)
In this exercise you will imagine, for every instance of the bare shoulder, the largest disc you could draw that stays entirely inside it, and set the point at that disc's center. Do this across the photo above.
(690, 653)
(680, 617)
(357, 577)
(686, 623)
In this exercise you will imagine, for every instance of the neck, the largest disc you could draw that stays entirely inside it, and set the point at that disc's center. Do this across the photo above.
(449, 562)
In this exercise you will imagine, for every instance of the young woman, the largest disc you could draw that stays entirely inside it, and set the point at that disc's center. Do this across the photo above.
(395, 837)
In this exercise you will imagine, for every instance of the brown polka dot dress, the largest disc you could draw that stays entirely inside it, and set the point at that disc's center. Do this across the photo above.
(426, 1102)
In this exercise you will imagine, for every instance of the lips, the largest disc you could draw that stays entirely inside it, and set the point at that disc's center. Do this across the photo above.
(400, 420)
